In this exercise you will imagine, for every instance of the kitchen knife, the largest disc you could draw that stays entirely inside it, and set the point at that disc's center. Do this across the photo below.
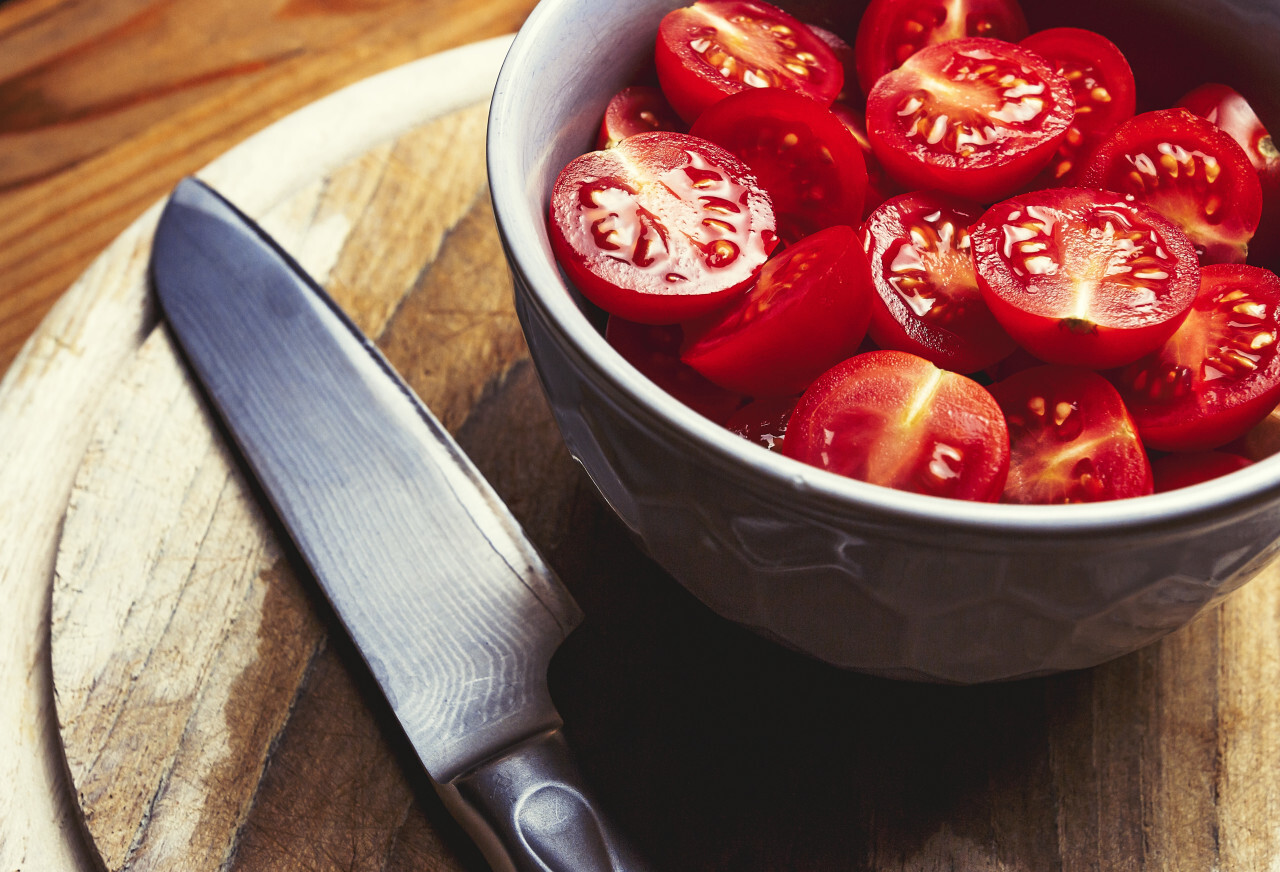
(451, 607)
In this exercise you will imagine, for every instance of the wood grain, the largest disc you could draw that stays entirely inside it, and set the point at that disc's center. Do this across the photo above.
(103, 107)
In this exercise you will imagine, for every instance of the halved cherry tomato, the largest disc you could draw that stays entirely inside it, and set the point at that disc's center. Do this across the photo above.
(894, 419)
(844, 54)
(1228, 109)
(1070, 438)
(1173, 471)
(879, 186)
(808, 311)
(891, 31)
(763, 421)
(660, 228)
(654, 349)
(927, 296)
(804, 158)
(637, 109)
(977, 118)
(715, 48)
(1084, 277)
(1219, 374)
(1102, 85)
(1193, 173)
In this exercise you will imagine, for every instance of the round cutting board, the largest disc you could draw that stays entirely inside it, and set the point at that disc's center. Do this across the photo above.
(177, 695)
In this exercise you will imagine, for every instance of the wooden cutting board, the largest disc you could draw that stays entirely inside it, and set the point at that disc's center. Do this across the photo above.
(192, 705)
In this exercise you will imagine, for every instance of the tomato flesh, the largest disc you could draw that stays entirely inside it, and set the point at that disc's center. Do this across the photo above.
(891, 31)
(808, 311)
(976, 118)
(637, 109)
(896, 420)
(1190, 171)
(763, 421)
(715, 48)
(1071, 440)
(807, 161)
(660, 228)
(1219, 374)
(1229, 110)
(927, 297)
(1102, 86)
(1083, 277)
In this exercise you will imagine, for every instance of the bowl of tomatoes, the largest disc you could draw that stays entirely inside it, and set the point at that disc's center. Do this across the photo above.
(935, 340)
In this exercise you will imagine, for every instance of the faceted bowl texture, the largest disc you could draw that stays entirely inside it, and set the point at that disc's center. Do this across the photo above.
(860, 576)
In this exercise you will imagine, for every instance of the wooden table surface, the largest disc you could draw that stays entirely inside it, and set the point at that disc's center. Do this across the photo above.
(105, 104)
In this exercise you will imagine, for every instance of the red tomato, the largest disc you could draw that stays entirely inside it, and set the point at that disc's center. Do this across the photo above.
(896, 420)
(1219, 374)
(1084, 277)
(1183, 470)
(1070, 438)
(1102, 85)
(1226, 108)
(660, 228)
(808, 311)
(976, 118)
(893, 30)
(654, 349)
(803, 157)
(638, 109)
(879, 186)
(927, 297)
(1191, 172)
(763, 421)
(715, 48)
(844, 54)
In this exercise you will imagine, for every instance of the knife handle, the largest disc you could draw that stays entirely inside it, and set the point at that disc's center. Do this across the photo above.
(529, 811)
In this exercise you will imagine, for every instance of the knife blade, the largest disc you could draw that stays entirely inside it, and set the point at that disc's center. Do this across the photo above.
(453, 610)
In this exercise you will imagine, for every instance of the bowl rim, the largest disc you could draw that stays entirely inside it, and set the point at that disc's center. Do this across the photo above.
(528, 252)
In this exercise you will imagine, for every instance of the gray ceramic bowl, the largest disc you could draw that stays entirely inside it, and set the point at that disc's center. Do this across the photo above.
(864, 577)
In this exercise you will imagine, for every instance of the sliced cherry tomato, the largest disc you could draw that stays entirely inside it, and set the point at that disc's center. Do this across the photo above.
(879, 186)
(807, 161)
(1070, 438)
(1228, 109)
(637, 109)
(927, 296)
(893, 30)
(763, 421)
(654, 349)
(1084, 277)
(1219, 374)
(808, 311)
(1173, 471)
(660, 228)
(1102, 85)
(894, 419)
(715, 48)
(977, 118)
(1190, 171)
(844, 54)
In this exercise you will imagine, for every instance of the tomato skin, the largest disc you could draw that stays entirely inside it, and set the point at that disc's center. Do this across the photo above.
(1083, 277)
(763, 421)
(976, 118)
(808, 310)
(890, 31)
(661, 228)
(1173, 471)
(1229, 110)
(654, 349)
(637, 109)
(758, 44)
(1163, 158)
(1219, 374)
(800, 153)
(896, 420)
(879, 186)
(1071, 440)
(1102, 86)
